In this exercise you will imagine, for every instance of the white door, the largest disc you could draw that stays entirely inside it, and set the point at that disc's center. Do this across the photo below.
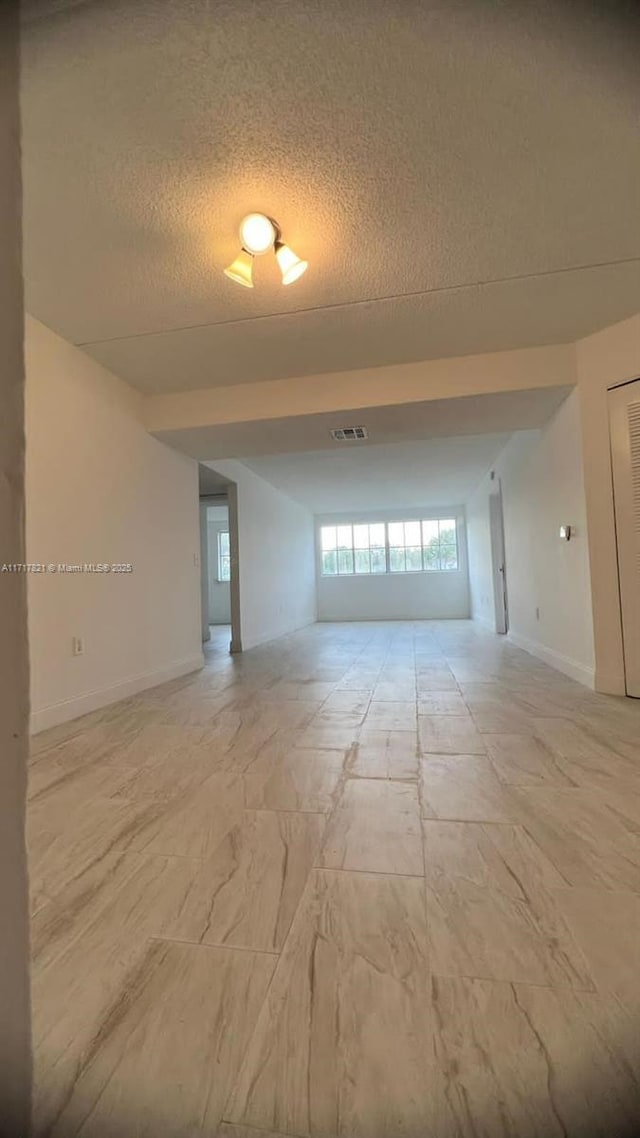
(496, 526)
(624, 417)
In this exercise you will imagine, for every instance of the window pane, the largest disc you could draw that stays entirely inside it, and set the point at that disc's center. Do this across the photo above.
(396, 534)
(447, 530)
(328, 537)
(414, 560)
(363, 564)
(396, 560)
(345, 560)
(412, 534)
(361, 537)
(378, 561)
(448, 557)
(224, 544)
(345, 537)
(430, 532)
(225, 569)
(376, 535)
(432, 555)
(329, 562)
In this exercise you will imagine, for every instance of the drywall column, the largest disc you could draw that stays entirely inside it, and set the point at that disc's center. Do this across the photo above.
(15, 1051)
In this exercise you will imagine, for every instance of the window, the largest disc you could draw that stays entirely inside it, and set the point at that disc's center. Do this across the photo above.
(390, 547)
(224, 556)
(440, 544)
(353, 549)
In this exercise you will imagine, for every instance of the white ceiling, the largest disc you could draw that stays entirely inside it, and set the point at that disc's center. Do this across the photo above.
(437, 472)
(412, 152)
(419, 454)
(498, 413)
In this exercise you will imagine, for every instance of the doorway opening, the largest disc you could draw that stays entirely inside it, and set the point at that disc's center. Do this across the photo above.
(498, 559)
(219, 567)
(624, 425)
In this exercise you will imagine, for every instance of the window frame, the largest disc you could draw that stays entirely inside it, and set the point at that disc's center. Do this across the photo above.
(333, 522)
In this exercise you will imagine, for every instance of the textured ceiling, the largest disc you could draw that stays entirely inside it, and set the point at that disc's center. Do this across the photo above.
(411, 151)
(438, 472)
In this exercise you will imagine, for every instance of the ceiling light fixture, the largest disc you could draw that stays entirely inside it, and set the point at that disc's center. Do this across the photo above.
(241, 270)
(260, 234)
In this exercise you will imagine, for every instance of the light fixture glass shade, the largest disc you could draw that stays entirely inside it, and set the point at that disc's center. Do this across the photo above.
(241, 270)
(290, 264)
(257, 233)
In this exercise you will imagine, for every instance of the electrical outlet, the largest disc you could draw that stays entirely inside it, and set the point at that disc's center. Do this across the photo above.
(77, 646)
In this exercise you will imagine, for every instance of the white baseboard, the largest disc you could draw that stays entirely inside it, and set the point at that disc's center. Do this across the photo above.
(66, 709)
(573, 668)
(411, 618)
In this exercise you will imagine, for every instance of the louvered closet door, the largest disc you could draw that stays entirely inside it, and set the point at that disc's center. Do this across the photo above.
(624, 413)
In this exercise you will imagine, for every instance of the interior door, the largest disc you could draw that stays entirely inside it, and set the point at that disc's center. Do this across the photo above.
(624, 420)
(496, 525)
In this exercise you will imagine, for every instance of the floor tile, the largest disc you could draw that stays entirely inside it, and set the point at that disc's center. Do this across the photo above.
(193, 824)
(587, 842)
(522, 760)
(181, 1023)
(246, 893)
(303, 780)
(606, 926)
(342, 1042)
(465, 788)
(531, 1061)
(394, 715)
(442, 703)
(491, 909)
(376, 827)
(385, 754)
(449, 735)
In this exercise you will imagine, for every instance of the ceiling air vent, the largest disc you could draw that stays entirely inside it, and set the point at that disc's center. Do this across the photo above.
(349, 434)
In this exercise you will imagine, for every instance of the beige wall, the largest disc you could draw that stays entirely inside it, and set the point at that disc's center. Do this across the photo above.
(15, 1058)
(604, 360)
(101, 490)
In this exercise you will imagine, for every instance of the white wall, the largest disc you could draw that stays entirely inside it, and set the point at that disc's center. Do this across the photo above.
(100, 489)
(542, 485)
(394, 596)
(15, 1048)
(276, 558)
(481, 595)
(219, 591)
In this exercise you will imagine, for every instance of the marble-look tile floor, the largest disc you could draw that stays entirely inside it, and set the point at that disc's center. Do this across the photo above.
(370, 880)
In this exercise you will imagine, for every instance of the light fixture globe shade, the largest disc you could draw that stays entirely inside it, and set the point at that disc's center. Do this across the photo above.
(290, 264)
(241, 270)
(257, 233)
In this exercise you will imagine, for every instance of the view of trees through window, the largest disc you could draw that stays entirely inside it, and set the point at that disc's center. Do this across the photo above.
(224, 556)
(390, 547)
